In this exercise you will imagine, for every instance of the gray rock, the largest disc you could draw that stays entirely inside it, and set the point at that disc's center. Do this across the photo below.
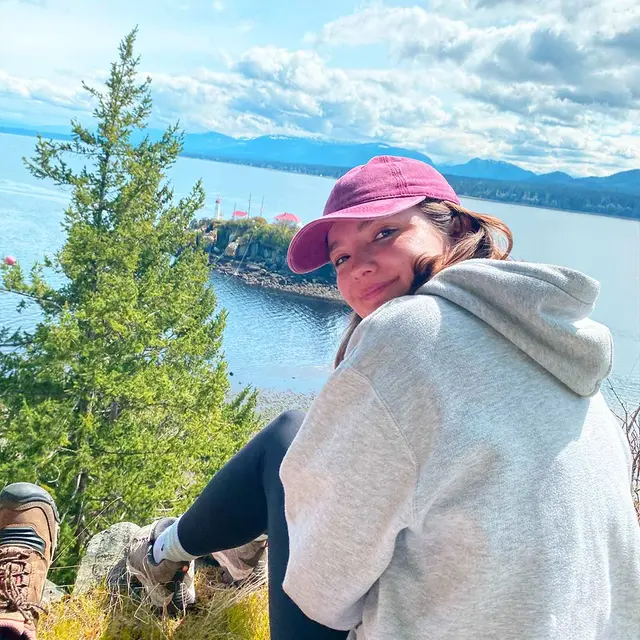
(119, 580)
(231, 249)
(104, 551)
(209, 239)
(52, 593)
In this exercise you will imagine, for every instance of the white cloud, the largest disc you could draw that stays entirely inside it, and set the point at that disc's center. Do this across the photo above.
(553, 86)
(299, 94)
(408, 31)
(60, 94)
(218, 6)
(560, 66)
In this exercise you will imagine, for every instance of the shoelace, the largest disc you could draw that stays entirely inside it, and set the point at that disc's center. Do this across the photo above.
(13, 565)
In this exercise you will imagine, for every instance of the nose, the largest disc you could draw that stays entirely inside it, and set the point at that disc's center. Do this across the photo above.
(361, 266)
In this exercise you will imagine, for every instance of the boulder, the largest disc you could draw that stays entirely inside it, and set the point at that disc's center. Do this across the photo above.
(104, 551)
(209, 239)
(231, 249)
(52, 593)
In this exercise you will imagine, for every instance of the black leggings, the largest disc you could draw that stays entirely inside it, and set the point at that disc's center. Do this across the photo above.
(244, 500)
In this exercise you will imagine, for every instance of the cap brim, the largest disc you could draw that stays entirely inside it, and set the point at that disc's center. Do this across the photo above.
(308, 250)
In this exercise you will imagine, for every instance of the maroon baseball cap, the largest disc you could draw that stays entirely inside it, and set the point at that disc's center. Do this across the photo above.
(383, 187)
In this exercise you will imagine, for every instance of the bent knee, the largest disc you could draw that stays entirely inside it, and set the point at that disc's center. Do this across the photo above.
(284, 428)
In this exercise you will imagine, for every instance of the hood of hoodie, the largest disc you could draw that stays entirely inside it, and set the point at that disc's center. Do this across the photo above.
(542, 309)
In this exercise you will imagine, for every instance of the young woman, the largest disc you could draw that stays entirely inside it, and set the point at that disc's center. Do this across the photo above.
(460, 475)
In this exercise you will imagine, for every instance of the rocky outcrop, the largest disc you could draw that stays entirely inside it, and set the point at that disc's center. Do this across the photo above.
(104, 551)
(264, 264)
(259, 276)
(52, 593)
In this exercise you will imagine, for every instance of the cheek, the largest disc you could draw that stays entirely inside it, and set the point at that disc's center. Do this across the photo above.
(348, 291)
(343, 285)
(430, 242)
(400, 259)
(420, 246)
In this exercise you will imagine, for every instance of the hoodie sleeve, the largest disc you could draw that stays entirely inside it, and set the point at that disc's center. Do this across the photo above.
(349, 480)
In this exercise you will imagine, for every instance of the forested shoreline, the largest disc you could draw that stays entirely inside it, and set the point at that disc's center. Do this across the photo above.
(550, 196)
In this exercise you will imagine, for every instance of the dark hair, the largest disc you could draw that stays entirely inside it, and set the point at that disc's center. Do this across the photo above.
(468, 234)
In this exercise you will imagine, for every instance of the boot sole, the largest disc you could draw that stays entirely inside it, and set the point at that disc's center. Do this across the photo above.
(24, 492)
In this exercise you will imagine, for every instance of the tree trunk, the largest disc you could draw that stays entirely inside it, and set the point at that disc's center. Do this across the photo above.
(81, 535)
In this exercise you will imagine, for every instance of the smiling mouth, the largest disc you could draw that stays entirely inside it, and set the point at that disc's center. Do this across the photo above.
(374, 291)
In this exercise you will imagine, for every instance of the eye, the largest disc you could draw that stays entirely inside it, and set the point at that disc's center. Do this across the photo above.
(339, 261)
(384, 233)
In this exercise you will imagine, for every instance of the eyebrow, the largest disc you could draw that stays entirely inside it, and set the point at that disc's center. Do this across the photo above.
(363, 225)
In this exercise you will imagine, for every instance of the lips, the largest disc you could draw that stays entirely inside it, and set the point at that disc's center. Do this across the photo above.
(372, 292)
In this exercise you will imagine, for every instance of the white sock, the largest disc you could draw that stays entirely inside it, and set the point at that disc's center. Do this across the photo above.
(167, 546)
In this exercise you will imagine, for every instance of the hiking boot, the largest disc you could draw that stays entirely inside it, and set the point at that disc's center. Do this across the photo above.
(240, 563)
(28, 536)
(168, 585)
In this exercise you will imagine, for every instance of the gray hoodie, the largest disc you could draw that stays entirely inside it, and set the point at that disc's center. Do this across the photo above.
(460, 475)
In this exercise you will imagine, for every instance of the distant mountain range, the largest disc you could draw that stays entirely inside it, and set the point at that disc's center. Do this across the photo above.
(292, 150)
(489, 170)
(314, 154)
(622, 182)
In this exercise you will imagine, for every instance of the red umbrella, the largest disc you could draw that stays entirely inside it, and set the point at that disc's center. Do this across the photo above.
(239, 214)
(287, 217)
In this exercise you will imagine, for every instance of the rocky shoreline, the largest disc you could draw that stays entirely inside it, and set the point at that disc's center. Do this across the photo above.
(258, 276)
(273, 402)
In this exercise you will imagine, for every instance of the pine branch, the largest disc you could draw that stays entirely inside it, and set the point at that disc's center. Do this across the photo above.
(30, 296)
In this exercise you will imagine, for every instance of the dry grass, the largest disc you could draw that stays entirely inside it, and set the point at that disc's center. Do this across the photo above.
(230, 613)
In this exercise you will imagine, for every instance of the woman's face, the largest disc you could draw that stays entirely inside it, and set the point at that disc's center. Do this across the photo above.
(374, 259)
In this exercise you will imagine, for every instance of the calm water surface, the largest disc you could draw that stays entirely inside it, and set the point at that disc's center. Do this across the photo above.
(287, 342)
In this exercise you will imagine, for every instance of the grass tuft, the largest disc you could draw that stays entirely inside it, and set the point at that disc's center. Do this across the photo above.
(229, 613)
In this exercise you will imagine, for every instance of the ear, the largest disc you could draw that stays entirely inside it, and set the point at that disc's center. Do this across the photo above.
(462, 224)
(457, 228)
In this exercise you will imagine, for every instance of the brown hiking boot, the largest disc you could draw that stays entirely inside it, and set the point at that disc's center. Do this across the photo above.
(168, 585)
(240, 563)
(28, 535)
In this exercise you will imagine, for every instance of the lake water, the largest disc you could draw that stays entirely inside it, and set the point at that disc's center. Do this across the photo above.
(278, 341)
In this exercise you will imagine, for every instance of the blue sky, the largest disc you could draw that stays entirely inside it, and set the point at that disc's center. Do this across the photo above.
(550, 85)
